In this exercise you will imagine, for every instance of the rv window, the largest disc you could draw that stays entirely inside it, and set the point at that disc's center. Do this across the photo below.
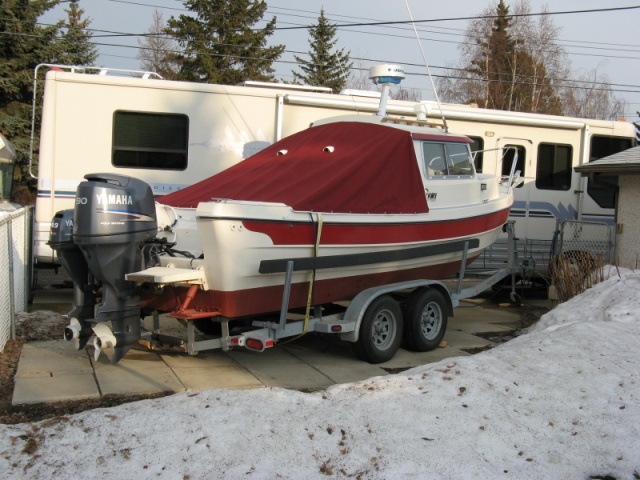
(605, 195)
(477, 146)
(508, 154)
(150, 140)
(434, 159)
(554, 167)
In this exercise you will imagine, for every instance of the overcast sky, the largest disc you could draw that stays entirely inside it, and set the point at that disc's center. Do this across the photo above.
(606, 40)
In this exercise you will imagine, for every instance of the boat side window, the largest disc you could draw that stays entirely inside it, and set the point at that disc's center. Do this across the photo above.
(459, 159)
(150, 140)
(434, 159)
(554, 167)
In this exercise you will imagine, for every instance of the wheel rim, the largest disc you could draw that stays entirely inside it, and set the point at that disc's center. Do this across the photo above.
(384, 329)
(431, 321)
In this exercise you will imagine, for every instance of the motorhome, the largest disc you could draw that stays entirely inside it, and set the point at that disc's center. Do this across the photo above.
(171, 134)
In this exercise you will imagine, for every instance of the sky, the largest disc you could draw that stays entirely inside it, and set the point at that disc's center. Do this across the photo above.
(604, 40)
(561, 401)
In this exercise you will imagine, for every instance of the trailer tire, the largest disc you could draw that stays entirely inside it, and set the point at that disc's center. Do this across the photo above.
(425, 320)
(380, 331)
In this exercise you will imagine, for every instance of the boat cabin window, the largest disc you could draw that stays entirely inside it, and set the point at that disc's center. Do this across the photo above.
(554, 167)
(446, 159)
(150, 140)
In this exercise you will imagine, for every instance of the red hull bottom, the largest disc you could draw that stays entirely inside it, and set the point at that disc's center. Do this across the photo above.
(257, 301)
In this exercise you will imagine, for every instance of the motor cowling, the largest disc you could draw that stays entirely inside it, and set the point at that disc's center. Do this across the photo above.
(114, 215)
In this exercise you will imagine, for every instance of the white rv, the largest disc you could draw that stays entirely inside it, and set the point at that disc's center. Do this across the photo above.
(172, 134)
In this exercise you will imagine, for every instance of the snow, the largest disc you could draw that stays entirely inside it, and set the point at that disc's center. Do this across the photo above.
(561, 401)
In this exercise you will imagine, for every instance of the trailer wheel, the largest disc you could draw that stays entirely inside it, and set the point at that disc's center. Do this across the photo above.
(380, 331)
(425, 316)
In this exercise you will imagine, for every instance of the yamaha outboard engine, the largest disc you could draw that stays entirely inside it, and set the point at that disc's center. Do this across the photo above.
(73, 261)
(113, 217)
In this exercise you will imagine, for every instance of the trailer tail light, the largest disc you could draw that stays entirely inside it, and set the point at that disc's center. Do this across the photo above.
(257, 344)
(336, 328)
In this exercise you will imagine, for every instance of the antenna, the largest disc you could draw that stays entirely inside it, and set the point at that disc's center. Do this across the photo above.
(426, 64)
(385, 75)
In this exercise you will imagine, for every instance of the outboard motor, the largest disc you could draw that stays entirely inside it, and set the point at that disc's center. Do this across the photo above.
(73, 261)
(113, 217)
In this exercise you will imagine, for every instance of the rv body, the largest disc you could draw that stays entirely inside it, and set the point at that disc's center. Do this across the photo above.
(173, 134)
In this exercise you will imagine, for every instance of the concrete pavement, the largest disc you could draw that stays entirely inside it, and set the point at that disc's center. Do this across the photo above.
(52, 371)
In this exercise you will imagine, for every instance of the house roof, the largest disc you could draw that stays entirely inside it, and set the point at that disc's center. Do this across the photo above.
(626, 162)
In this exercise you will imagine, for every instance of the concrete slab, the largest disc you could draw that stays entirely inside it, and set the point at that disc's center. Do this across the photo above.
(203, 378)
(463, 340)
(473, 326)
(405, 359)
(139, 372)
(210, 369)
(30, 390)
(482, 315)
(335, 359)
(278, 368)
(52, 358)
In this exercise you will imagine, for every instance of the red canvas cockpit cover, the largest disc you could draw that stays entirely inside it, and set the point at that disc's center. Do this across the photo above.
(372, 169)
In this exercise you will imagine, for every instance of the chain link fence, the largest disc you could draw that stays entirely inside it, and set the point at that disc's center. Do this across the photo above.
(584, 248)
(15, 268)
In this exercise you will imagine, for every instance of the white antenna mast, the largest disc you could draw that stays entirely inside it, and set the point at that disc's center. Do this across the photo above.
(426, 64)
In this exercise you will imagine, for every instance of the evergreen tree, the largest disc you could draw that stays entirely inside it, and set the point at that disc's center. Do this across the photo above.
(507, 64)
(327, 66)
(23, 45)
(220, 44)
(494, 62)
(74, 45)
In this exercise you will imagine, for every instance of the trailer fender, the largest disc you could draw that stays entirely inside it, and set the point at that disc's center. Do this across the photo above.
(358, 306)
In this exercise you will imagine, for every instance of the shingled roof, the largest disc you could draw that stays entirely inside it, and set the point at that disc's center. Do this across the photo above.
(626, 162)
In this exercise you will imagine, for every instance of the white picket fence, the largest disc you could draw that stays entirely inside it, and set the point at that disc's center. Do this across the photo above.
(15, 268)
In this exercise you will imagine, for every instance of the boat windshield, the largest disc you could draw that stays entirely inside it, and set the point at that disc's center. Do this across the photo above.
(446, 159)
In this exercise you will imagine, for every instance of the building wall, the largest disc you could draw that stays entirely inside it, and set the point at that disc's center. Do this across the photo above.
(629, 218)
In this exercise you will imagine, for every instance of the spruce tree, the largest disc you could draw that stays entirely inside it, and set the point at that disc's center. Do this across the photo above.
(74, 45)
(326, 66)
(221, 45)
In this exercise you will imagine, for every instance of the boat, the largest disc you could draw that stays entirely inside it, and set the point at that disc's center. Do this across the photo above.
(353, 202)
(349, 204)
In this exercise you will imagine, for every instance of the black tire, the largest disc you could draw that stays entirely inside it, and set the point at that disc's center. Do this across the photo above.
(380, 331)
(208, 326)
(425, 320)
